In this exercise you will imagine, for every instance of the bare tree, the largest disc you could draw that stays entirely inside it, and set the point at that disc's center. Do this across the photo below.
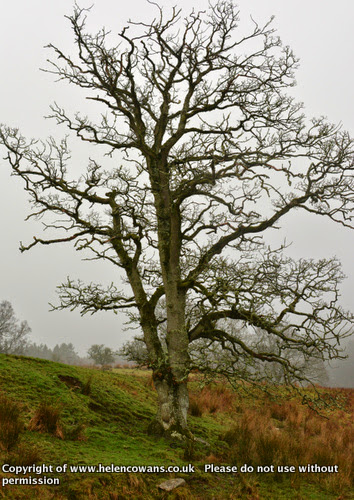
(13, 334)
(209, 154)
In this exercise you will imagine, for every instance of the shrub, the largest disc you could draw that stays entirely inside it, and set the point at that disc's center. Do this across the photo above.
(11, 425)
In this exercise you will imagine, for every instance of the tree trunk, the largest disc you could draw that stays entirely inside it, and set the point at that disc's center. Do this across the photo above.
(171, 381)
(170, 370)
(173, 402)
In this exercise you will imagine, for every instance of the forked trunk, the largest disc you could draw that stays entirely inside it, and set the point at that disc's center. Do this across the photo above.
(173, 402)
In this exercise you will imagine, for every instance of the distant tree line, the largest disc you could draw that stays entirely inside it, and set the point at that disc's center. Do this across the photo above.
(97, 354)
(61, 353)
(14, 339)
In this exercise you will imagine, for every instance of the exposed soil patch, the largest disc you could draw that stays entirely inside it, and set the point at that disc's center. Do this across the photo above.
(71, 382)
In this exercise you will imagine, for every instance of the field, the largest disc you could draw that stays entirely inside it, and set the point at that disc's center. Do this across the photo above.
(56, 414)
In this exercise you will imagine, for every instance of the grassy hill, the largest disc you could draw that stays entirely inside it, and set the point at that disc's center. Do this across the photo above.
(81, 416)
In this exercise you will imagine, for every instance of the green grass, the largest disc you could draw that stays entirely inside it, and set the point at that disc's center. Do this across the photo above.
(115, 413)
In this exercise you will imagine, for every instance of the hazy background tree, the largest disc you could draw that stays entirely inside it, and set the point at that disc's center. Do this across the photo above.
(61, 353)
(210, 358)
(13, 333)
(41, 351)
(38, 351)
(65, 353)
(135, 351)
(209, 154)
(101, 354)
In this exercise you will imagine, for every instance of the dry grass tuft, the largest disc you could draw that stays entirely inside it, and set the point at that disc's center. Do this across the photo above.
(292, 434)
(47, 419)
(11, 425)
(212, 399)
(87, 387)
(195, 408)
(25, 454)
(149, 382)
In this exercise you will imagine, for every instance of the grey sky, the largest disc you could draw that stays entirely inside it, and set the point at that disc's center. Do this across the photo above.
(319, 31)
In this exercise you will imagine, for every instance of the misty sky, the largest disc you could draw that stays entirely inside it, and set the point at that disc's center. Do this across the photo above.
(322, 36)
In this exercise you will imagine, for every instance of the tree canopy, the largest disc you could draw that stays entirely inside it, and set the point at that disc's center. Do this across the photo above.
(208, 154)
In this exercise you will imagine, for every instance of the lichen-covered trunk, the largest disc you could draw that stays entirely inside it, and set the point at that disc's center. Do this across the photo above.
(171, 373)
(173, 402)
(171, 376)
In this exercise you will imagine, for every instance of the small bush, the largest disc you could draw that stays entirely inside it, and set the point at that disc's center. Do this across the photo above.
(11, 425)
(47, 419)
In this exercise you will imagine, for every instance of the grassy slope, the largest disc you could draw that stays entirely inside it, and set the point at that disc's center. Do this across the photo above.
(116, 413)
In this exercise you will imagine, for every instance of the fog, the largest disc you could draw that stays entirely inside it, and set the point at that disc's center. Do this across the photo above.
(322, 37)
